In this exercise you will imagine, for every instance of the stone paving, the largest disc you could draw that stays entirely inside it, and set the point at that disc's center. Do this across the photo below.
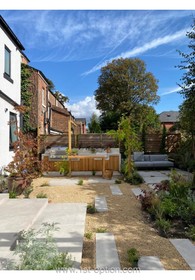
(150, 263)
(106, 252)
(186, 249)
(101, 204)
(115, 190)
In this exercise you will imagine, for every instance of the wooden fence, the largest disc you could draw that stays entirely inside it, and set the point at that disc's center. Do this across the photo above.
(101, 140)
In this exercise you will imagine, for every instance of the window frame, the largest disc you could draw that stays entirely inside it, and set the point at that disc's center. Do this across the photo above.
(7, 74)
(13, 127)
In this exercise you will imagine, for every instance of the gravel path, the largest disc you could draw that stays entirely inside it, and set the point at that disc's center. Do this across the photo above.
(124, 219)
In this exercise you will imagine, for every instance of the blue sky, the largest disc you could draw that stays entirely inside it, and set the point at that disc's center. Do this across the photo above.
(71, 46)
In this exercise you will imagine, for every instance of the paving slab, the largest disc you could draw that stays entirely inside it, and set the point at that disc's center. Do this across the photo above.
(17, 215)
(150, 263)
(106, 252)
(150, 173)
(186, 249)
(115, 190)
(137, 191)
(101, 204)
(70, 219)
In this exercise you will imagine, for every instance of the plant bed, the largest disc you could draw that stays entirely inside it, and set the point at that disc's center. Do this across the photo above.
(170, 207)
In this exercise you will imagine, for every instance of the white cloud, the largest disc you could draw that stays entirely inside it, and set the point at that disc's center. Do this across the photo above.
(139, 50)
(84, 108)
(170, 91)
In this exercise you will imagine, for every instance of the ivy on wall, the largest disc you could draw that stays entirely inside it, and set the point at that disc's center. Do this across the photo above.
(26, 97)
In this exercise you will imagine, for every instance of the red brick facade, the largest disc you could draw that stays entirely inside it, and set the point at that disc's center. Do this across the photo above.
(47, 114)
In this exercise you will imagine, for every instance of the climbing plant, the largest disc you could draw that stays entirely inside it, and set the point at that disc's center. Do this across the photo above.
(127, 134)
(26, 96)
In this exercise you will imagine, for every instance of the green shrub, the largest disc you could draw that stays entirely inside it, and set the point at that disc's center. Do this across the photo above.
(27, 192)
(93, 172)
(169, 207)
(117, 181)
(191, 232)
(37, 250)
(80, 182)
(163, 226)
(91, 209)
(101, 230)
(133, 256)
(41, 195)
(89, 235)
(134, 178)
(12, 194)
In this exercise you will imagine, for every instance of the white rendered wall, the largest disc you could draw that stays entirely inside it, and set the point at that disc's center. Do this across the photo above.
(12, 90)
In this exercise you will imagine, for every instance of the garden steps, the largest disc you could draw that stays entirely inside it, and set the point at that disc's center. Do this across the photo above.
(150, 263)
(115, 190)
(101, 204)
(106, 252)
(186, 249)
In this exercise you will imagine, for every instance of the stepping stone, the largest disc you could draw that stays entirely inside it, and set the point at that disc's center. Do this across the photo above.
(106, 252)
(137, 191)
(115, 190)
(186, 249)
(101, 204)
(150, 263)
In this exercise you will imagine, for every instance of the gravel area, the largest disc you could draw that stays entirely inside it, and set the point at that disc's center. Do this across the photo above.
(124, 219)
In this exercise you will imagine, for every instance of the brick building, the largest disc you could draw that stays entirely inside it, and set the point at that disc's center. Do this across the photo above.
(169, 118)
(47, 114)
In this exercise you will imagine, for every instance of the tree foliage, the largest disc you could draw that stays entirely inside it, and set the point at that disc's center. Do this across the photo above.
(124, 86)
(60, 97)
(187, 109)
(94, 125)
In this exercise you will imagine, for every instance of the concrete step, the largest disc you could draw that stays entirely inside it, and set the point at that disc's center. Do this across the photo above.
(101, 204)
(106, 252)
(17, 215)
(115, 190)
(150, 263)
(70, 219)
(186, 249)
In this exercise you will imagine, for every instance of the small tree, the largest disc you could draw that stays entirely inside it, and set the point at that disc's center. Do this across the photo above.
(94, 125)
(163, 140)
(127, 134)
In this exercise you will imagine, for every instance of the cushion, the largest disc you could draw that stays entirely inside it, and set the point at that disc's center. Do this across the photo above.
(138, 156)
(146, 157)
(158, 157)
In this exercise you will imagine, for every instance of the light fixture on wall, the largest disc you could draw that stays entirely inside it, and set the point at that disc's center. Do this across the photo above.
(6, 110)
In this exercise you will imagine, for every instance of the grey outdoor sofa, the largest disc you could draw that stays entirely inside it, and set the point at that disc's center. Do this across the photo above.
(151, 161)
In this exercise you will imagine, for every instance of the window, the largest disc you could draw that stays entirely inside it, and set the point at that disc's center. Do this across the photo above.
(13, 129)
(43, 97)
(7, 65)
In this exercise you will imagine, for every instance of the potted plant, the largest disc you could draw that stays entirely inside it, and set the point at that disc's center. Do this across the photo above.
(25, 165)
